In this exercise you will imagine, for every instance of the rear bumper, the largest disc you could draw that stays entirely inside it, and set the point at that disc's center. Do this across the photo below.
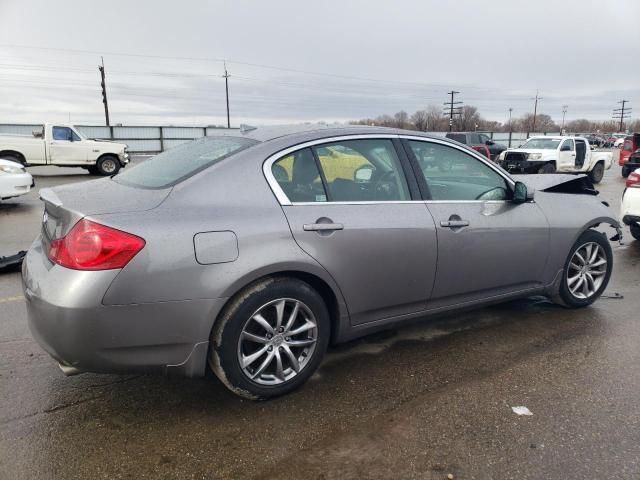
(67, 318)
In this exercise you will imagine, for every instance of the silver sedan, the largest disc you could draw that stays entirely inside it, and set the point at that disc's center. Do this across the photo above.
(250, 252)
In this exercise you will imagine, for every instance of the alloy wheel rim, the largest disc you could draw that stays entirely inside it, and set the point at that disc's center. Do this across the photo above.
(109, 166)
(587, 270)
(277, 341)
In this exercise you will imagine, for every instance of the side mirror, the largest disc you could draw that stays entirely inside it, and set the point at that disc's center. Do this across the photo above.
(521, 194)
(363, 174)
(489, 142)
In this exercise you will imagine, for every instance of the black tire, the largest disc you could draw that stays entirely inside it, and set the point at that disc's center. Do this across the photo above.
(547, 168)
(566, 298)
(225, 347)
(107, 165)
(597, 172)
(625, 172)
(635, 231)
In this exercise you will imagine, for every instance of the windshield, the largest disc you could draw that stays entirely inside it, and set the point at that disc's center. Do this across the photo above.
(542, 143)
(179, 163)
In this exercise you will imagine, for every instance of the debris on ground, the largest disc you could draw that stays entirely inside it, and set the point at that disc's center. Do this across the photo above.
(521, 411)
(12, 262)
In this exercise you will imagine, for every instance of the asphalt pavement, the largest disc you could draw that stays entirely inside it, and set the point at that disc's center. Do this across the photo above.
(425, 401)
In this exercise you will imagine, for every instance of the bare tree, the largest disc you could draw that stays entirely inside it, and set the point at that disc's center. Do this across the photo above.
(401, 119)
(420, 120)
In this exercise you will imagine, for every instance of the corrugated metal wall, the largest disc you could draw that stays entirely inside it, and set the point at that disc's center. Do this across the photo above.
(154, 139)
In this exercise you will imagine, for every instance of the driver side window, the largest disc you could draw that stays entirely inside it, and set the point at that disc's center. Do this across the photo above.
(62, 133)
(452, 174)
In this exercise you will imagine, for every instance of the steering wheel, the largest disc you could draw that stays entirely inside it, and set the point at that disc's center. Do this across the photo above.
(386, 184)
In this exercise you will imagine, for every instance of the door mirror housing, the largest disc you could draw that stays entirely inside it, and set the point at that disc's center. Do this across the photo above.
(521, 193)
(489, 142)
(363, 174)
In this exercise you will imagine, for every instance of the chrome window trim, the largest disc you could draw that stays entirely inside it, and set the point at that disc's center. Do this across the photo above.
(284, 200)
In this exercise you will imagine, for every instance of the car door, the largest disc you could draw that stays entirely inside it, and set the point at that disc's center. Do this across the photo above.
(567, 155)
(66, 147)
(487, 245)
(350, 207)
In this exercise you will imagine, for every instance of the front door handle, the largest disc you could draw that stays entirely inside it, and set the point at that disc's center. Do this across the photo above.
(454, 223)
(322, 227)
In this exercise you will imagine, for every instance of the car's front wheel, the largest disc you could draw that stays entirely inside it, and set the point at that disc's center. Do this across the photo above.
(635, 231)
(547, 168)
(107, 165)
(597, 172)
(587, 270)
(270, 339)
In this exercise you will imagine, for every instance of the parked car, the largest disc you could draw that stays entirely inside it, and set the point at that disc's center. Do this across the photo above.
(630, 208)
(619, 139)
(474, 139)
(14, 180)
(631, 146)
(64, 146)
(594, 140)
(250, 252)
(556, 154)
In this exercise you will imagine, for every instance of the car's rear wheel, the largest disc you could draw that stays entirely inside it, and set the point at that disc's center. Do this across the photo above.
(547, 168)
(107, 165)
(635, 231)
(587, 270)
(597, 172)
(270, 339)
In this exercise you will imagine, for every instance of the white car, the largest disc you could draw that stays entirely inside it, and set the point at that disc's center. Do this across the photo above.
(14, 180)
(630, 209)
(65, 146)
(551, 154)
(619, 139)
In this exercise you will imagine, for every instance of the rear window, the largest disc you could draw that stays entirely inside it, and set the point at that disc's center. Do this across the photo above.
(179, 163)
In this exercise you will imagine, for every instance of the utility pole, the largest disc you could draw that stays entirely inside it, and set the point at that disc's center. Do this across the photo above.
(453, 110)
(104, 92)
(622, 113)
(510, 110)
(564, 112)
(226, 87)
(535, 111)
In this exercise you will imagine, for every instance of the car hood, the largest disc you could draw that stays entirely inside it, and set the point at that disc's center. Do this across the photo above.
(9, 163)
(559, 183)
(102, 196)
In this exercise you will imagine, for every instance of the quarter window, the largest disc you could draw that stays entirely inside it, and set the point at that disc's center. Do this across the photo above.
(299, 177)
(452, 174)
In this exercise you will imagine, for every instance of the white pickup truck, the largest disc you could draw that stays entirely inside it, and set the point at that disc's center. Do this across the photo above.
(556, 154)
(64, 146)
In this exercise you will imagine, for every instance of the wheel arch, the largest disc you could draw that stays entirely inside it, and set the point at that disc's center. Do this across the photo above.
(338, 314)
(14, 153)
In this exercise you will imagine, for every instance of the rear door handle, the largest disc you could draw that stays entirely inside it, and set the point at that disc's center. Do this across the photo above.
(454, 223)
(322, 227)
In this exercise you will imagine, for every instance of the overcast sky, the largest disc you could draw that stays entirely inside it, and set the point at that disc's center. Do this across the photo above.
(293, 60)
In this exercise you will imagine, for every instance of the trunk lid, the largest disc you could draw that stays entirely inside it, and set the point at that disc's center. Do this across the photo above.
(65, 205)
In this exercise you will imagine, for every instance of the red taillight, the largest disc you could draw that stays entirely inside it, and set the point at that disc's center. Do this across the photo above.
(91, 246)
(633, 180)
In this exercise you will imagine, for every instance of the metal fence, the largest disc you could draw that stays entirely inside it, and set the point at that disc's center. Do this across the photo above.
(154, 139)
(139, 139)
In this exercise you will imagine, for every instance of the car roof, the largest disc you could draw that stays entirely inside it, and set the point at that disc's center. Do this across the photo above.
(304, 131)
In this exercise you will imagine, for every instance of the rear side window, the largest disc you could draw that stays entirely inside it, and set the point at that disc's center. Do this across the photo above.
(179, 163)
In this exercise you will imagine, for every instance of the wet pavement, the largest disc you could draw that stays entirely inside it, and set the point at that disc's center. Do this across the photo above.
(423, 401)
